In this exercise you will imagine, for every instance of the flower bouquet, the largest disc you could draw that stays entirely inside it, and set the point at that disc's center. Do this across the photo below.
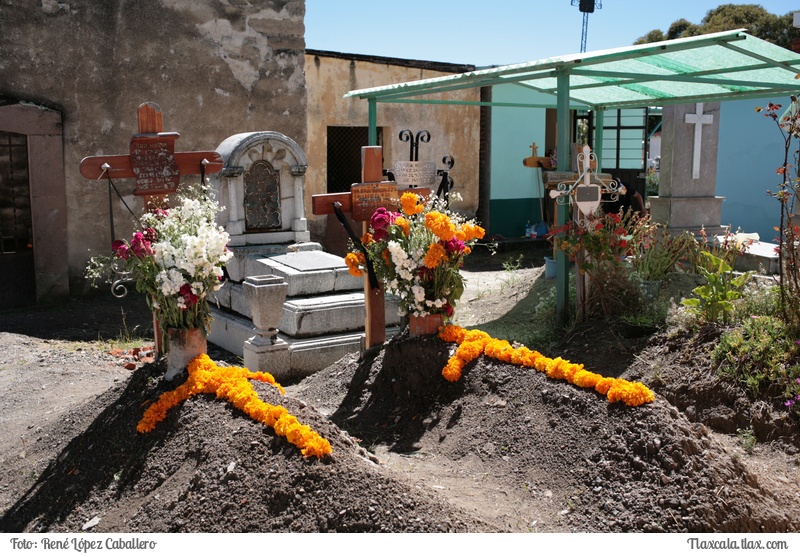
(417, 254)
(176, 258)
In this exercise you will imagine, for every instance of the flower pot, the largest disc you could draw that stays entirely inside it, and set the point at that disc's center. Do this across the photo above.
(425, 325)
(184, 345)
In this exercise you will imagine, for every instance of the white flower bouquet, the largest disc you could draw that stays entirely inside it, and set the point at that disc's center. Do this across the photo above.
(176, 258)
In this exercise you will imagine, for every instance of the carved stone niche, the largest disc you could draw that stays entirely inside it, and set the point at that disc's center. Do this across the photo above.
(261, 186)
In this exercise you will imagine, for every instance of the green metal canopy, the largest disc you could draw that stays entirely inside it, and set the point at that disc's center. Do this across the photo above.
(714, 67)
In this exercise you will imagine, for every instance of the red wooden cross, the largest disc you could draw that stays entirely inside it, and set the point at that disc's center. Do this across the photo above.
(152, 159)
(361, 202)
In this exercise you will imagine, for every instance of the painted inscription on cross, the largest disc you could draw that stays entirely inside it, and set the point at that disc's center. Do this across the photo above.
(152, 159)
(362, 201)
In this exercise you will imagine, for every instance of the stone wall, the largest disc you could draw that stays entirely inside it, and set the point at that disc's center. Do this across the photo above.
(215, 67)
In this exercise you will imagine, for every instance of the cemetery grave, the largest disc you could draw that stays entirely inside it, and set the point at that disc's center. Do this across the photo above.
(506, 449)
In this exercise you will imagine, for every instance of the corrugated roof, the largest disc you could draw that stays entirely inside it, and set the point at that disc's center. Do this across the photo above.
(714, 67)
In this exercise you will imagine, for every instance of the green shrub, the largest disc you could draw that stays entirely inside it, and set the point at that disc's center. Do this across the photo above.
(757, 354)
(714, 302)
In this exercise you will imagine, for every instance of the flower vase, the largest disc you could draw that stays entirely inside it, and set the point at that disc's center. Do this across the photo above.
(425, 325)
(184, 345)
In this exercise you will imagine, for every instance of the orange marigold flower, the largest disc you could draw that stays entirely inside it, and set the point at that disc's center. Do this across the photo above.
(452, 371)
(435, 255)
(404, 225)
(410, 204)
(367, 239)
(441, 225)
(354, 261)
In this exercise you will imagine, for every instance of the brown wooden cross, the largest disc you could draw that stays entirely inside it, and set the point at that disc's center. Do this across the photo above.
(362, 200)
(152, 159)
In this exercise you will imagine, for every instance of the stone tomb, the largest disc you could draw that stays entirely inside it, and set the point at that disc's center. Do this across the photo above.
(323, 315)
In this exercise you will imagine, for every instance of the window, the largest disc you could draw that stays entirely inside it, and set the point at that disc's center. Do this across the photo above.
(344, 155)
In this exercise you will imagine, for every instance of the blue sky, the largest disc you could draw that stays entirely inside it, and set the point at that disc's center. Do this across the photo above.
(500, 32)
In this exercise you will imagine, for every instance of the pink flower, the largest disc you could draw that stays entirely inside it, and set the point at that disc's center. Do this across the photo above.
(120, 249)
(140, 246)
(189, 297)
(149, 234)
(454, 245)
(380, 221)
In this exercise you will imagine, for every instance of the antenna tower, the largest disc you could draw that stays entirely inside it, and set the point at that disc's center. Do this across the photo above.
(586, 7)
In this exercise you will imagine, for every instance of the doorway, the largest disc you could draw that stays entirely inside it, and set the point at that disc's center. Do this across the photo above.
(16, 229)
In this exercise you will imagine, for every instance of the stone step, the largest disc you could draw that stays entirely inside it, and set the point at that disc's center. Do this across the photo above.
(306, 272)
(309, 315)
(306, 356)
(319, 315)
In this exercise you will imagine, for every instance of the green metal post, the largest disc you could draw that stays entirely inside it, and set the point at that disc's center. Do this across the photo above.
(372, 134)
(599, 119)
(562, 211)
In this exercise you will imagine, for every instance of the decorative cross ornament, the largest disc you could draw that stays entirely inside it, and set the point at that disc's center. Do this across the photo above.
(698, 119)
(586, 191)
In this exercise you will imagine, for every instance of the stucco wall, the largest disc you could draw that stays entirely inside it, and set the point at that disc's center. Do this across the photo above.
(215, 67)
(455, 130)
(750, 149)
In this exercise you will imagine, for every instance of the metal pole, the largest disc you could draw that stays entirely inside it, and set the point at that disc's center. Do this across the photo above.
(372, 134)
(599, 120)
(562, 211)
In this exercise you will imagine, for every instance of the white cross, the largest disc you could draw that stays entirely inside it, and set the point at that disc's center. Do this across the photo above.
(698, 119)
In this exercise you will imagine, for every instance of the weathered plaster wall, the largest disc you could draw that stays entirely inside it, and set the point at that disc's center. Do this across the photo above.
(454, 129)
(215, 67)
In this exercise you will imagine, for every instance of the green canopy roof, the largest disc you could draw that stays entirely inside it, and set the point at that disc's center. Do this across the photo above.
(714, 67)
(707, 68)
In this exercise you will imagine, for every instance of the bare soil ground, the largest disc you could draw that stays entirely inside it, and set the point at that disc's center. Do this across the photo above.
(504, 450)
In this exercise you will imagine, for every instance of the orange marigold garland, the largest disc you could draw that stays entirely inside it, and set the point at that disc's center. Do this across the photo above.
(233, 384)
(473, 343)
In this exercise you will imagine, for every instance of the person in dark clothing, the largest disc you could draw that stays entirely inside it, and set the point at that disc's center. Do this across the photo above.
(631, 199)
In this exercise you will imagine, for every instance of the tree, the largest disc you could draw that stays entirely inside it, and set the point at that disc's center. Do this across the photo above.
(758, 22)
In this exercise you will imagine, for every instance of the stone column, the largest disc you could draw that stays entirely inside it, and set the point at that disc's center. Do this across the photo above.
(688, 178)
(264, 351)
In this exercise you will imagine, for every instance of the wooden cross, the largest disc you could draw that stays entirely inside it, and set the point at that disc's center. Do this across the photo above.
(364, 198)
(152, 159)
